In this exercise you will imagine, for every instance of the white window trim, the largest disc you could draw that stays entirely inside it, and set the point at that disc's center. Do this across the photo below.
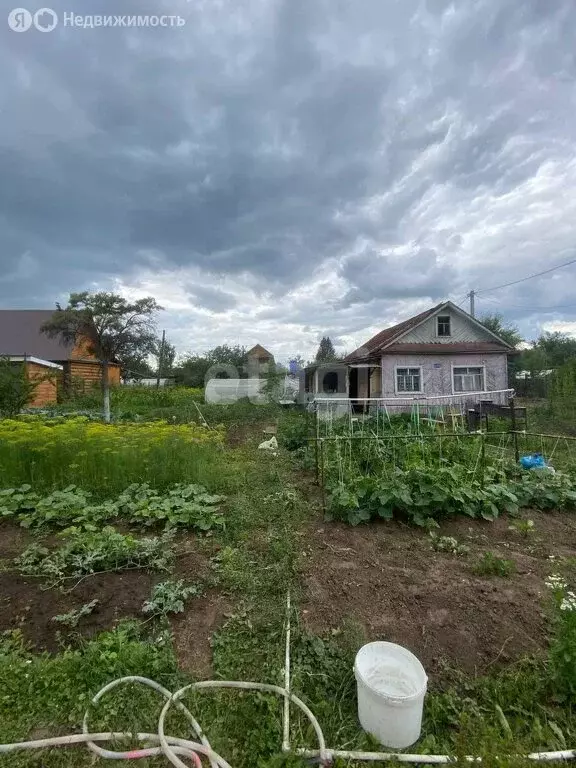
(462, 365)
(412, 392)
(436, 319)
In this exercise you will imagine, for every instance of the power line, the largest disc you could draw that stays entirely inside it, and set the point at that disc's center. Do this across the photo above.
(526, 306)
(529, 277)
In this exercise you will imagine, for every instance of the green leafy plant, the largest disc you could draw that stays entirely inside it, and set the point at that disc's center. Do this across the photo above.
(448, 544)
(492, 565)
(84, 553)
(169, 597)
(563, 647)
(73, 617)
(524, 527)
(189, 506)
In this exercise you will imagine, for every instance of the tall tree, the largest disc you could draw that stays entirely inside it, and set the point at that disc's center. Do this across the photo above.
(506, 331)
(111, 326)
(165, 356)
(558, 348)
(326, 352)
(509, 333)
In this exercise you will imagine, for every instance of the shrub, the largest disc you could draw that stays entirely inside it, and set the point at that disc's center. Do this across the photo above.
(16, 389)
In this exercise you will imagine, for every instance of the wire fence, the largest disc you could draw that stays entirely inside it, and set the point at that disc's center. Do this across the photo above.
(341, 455)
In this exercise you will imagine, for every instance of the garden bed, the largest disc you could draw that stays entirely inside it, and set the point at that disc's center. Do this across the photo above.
(387, 579)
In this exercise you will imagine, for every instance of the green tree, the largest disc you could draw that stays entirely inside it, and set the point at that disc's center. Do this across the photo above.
(224, 361)
(326, 352)
(506, 331)
(16, 389)
(112, 327)
(165, 355)
(558, 348)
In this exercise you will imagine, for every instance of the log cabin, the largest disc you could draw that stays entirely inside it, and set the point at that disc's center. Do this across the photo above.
(59, 365)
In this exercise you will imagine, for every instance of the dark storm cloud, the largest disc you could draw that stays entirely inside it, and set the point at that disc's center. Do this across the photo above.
(399, 149)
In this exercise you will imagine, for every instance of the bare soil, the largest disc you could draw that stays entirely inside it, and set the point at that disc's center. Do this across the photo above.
(386, 578)
(26, 603)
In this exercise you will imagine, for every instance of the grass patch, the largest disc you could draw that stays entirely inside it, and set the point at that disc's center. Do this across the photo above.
(492, 565)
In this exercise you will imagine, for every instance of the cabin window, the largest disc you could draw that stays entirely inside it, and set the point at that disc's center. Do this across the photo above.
(468, 379)
(444, 325)
(408, 379)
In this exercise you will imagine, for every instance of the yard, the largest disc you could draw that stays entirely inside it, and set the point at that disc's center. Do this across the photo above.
(166, 550)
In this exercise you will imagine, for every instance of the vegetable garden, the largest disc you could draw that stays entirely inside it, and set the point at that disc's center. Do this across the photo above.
(166, 549)
(412, 470)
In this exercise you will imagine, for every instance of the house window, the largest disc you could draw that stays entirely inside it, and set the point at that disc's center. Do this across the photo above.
(468, 379)
(408, 379)
(443, 327)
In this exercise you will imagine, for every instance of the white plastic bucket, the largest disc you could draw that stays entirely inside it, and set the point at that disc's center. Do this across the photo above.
(391, 688)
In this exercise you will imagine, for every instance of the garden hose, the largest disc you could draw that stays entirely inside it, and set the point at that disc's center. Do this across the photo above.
(173, 748)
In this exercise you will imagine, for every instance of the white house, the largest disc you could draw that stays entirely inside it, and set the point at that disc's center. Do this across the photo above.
(443, 355)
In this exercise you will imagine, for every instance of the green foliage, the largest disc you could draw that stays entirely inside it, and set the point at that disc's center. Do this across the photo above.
(85, 553)
(16, 389)
(420, 493)
(137, 401)
(104, 459)
(524, 527)
(492, 565)
(293, 431)
(110, 326)
(169, 597)
(448, 544)
(326, 352)
(189, 506)
(224, 361)
(563, 646)
(509, 333)
(72, 618)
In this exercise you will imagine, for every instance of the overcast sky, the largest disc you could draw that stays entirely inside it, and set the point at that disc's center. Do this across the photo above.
(275, 170)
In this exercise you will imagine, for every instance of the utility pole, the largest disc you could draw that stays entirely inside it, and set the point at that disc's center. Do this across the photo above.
(160, 359)
(471, 296)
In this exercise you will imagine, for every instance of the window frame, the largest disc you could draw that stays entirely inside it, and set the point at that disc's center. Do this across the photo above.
(444, 335)
(482, 367)
(407, 393)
